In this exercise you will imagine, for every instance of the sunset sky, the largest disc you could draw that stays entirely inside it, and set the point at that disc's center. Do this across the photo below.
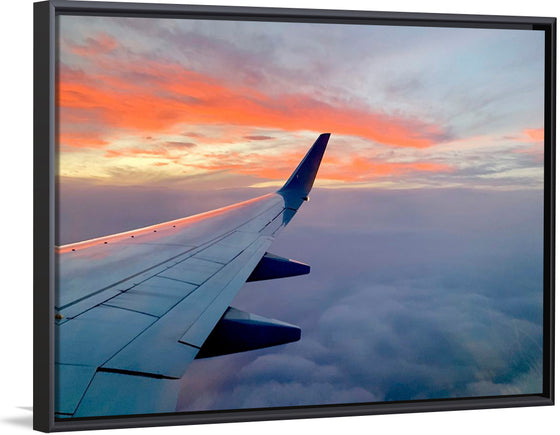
(221, 104)
(424, 230)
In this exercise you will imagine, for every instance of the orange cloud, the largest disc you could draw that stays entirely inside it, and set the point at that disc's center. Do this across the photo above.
(82, 140)
(333, 168)
(362, 169)
(261, 166)
(154, 151)
(535, 134)
(536, 149)
(156, 97)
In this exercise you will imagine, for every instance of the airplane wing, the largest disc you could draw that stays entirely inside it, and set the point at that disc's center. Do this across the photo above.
(134, 309)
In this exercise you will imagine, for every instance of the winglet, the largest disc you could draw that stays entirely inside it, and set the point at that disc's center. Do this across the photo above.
(301, 181)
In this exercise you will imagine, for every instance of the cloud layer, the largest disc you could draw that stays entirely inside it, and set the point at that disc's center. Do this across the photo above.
(402, 303)
(412, 294)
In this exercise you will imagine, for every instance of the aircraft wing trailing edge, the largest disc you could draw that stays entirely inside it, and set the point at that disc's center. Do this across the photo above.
(134, 309)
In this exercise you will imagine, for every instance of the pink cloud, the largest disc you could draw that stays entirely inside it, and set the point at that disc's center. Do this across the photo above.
(154, 97)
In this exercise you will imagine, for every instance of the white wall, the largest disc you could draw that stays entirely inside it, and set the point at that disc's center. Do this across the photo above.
(16, 229)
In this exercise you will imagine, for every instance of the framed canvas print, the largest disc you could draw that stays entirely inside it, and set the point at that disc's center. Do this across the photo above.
(256, 213)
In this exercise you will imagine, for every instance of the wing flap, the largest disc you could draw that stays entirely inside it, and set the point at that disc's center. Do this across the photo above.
(73, 380)
(227, 248)
(192, 270)
(90, 339)
(119, 394)
(155, 296)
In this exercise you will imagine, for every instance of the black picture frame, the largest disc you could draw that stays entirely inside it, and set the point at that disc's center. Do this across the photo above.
(44, 208)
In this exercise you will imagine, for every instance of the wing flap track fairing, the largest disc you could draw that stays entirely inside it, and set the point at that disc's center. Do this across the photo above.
(238, 331)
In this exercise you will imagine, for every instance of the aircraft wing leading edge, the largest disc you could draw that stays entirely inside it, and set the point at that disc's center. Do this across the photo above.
(134, 309)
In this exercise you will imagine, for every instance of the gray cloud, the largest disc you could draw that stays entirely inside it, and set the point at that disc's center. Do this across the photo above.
(258, 137)
(179, 145)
